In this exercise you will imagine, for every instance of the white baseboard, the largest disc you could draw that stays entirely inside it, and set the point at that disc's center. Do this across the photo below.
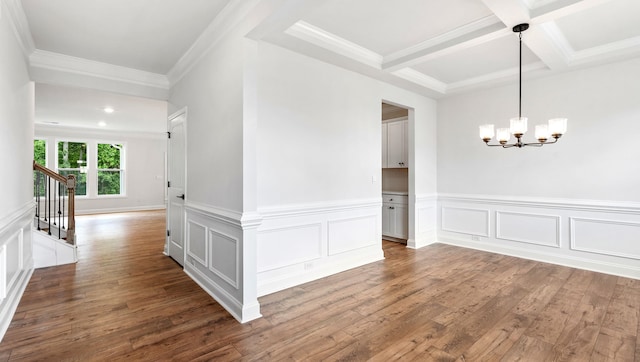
(242, 313)
(12, 300)
(622, 270)
(304, 276)
(422, 242)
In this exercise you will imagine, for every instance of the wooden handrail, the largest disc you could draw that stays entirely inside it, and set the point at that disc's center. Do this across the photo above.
(52, 174)
(70, 183)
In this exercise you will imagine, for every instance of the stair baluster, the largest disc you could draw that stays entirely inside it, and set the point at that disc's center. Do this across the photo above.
(51, 192)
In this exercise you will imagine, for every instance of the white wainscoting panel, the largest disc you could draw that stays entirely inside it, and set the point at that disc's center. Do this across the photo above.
(214, 259)
(466, 220)
(300, 243)
(3, 272)
(528, 228)
(425, 221)
(225, 257)
(197, 245)
(16, 261)
(283, 246)
(351, 234)
(603, 236)
(12, 267)
(608, 237)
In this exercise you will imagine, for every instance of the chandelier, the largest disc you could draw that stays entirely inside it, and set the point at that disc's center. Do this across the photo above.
(518, 126)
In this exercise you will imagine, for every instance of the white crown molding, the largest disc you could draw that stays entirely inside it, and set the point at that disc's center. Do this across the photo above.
(572, 57)
(489, 25)
(324, 39)
(65, 63)
(234, 12)
(557, 37)
(49, 129)
(421, 79)
(20, 25)
(552, 10)
(534, 4)
(608, 51)
(493, 78)
(549, 44)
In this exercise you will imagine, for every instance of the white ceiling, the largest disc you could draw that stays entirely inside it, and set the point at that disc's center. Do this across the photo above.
(84, 108)
(434, 47)
(148, 35)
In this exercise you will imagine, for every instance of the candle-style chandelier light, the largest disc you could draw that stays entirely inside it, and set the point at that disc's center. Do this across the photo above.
(556, 127)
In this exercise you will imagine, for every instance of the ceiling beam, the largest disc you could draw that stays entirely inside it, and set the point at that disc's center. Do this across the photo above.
(510, 12)
(548, 45)
(281, 16)
(561, 8)
(477, 32)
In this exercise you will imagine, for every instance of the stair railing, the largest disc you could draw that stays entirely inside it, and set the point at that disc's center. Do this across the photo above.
(55, 203)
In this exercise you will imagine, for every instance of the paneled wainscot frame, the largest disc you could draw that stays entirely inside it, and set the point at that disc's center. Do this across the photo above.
(593, 235)
(300, 243)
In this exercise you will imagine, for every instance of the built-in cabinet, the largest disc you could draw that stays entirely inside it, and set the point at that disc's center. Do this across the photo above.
(395, 215)
(395, 144)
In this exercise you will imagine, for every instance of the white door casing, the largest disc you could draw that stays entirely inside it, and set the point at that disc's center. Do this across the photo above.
(177, 165)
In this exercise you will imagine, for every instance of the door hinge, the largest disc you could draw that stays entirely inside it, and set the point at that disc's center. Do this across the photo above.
(168, 183)
(168, 134)
(168, 232)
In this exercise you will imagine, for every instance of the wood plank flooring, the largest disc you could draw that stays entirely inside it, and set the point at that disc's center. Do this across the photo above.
(124, 300)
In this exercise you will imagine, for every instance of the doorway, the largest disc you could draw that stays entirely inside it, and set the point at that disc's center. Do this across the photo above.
(395, 173)
(176, 195)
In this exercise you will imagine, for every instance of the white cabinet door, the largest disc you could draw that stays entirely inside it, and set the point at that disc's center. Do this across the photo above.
(401, 222)
(395, 216)
(384, 145)
(397, 144)
(387, 219)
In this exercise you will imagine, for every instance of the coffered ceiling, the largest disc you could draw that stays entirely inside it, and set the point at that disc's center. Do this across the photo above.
(439, 48)
(434, 47)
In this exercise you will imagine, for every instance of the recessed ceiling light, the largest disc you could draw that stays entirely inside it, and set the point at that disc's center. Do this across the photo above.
(108, 109)
(102, 123)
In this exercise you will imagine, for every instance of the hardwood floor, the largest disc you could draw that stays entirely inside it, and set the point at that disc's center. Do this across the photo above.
(124, 300)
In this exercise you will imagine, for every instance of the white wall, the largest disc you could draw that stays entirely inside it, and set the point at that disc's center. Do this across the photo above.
(220, 224)
(576, 202)
(594, 160)
(318, 131)
(319, 167)
(144, 167)
(212, 93)
(16, 155)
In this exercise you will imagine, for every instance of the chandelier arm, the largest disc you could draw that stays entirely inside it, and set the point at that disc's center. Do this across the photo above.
(534, 144)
